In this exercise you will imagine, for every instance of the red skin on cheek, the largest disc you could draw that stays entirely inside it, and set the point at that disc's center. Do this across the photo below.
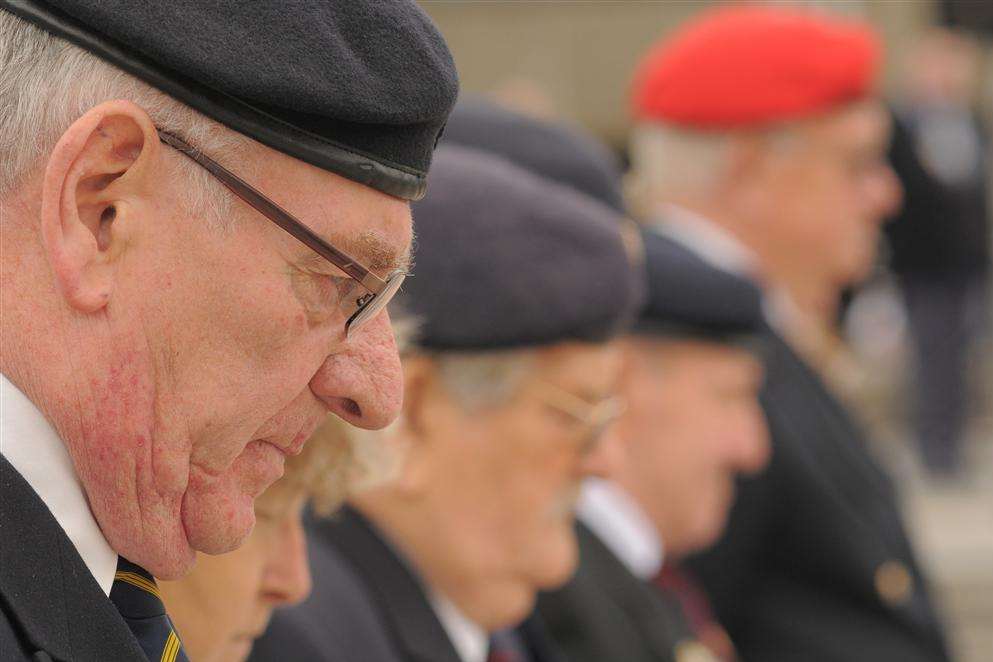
(135, 502)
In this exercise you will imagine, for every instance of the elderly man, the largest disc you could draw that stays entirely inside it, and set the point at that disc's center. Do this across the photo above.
(761, 146)
(690, 377)
(172, 330)
(520, 283)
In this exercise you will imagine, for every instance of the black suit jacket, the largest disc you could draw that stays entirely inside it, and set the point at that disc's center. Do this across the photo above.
(605, 613)
(940, 230)
(815, 564)
(51, 607)
(367, 605)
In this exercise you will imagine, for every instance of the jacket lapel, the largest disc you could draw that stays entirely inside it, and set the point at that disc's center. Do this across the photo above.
(395, 588)
(645, 609)
(49, 590)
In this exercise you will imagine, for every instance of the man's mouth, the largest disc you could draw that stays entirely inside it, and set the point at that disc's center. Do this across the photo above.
(293, 446)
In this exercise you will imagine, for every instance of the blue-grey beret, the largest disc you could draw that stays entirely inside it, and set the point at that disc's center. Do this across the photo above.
(554, 150)
(507, 259)
(358, 87)
(689, 297)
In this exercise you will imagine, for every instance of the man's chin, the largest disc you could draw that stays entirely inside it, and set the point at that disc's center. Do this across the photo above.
(218, 527)
(163, 561)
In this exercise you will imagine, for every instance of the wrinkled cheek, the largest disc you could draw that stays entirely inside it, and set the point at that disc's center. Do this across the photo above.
(107, 474)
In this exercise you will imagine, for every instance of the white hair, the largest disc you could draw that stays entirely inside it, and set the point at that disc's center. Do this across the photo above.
(480, 380)
(669, 160)
(46, 83)
(475, 379)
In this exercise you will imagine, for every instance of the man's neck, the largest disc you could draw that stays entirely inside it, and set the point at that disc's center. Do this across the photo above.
(798, 301)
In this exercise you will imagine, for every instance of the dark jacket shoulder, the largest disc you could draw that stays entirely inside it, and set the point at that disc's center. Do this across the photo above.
(366, 604)
(796, 574)
(51, 607)
(606, 613)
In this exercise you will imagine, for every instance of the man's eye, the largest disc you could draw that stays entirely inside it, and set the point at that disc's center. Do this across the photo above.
(346, 291)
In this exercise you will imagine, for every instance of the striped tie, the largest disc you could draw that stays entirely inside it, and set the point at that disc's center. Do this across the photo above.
(506, 646)
(137, 598)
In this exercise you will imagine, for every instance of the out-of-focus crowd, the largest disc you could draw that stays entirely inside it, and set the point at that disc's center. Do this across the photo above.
(625, 407)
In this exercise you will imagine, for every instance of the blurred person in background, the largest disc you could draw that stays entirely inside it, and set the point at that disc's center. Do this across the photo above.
(940, 240)
(521, 285)
(690, 378)
(691, 375)
(760, 145)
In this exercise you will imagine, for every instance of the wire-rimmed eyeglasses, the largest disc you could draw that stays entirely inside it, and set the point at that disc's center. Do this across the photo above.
(378, 291)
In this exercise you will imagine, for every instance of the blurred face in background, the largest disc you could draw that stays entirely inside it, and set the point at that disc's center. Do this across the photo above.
(485, 504)
(819, 192)
(692, 424)
(225, 602)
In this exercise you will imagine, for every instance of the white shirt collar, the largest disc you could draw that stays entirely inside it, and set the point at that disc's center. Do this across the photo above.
(471, 642)
(710, 241)
(31, 445)
(620, 523)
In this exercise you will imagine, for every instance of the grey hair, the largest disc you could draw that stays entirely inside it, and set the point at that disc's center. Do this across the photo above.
(671, 161)
(46, 83)
(480, 380)
(475, 379)
(666, 160)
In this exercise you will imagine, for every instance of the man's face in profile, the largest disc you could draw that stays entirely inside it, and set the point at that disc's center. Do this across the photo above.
(224, 347)
(497, 484)
(692, 425)
(828, 191)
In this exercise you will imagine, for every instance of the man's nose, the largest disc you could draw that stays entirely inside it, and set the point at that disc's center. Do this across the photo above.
(362, 382)
(754, 447)
(599, 460)
(287, 575)
(886, 194)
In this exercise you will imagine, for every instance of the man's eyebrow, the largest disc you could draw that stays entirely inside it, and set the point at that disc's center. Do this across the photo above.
(370, 250)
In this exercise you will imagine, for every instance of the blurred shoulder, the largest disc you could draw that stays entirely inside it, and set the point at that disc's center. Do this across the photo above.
(339, 622)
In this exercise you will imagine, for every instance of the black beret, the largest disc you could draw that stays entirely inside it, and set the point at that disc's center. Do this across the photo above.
(358, 87)
(507, 259)
(687, 297)
(556, 151)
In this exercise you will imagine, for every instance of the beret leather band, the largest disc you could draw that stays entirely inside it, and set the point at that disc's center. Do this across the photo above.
(233, 112)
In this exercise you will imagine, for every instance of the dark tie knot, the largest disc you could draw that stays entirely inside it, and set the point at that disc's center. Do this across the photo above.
(135, 593)
(137, 598)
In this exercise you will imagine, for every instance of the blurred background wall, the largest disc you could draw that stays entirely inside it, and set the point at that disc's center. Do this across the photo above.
(574, 60)
(576, 57)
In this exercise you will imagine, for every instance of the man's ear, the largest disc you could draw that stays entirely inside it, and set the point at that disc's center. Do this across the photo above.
(98, 171)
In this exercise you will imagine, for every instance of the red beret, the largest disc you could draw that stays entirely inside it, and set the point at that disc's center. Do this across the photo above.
(750, 65)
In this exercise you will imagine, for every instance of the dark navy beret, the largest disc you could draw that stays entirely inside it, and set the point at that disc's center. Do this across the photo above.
(358, 87)
(689, 297)
(556, 151)
(507, 259)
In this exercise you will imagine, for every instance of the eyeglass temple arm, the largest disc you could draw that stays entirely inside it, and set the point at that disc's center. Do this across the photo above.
(588, 413)
(278, 215)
